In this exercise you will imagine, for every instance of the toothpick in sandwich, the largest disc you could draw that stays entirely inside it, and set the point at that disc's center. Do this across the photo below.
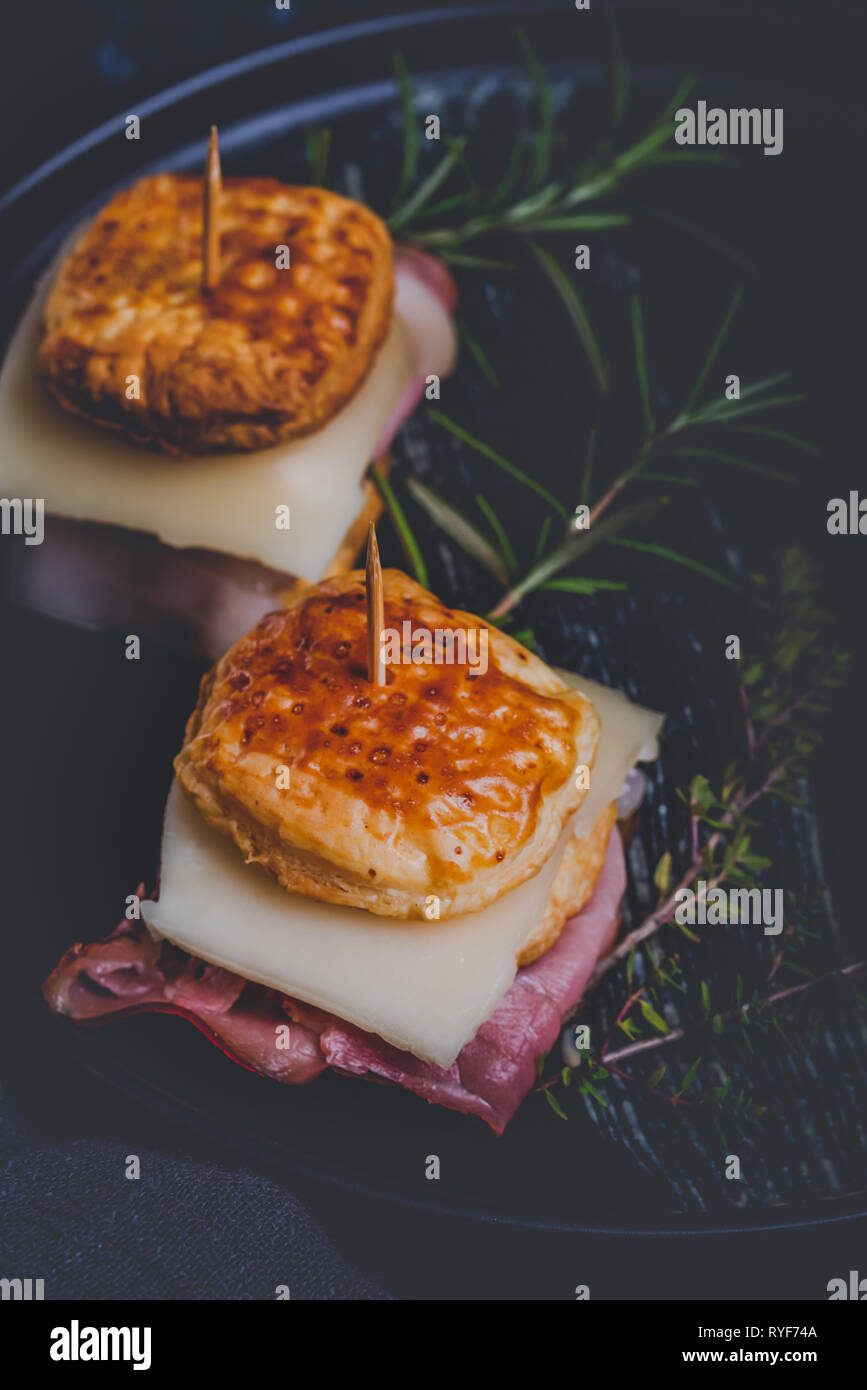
(211, 193)
(375, 612)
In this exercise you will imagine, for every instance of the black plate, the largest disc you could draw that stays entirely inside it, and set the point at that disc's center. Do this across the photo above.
(89, 772)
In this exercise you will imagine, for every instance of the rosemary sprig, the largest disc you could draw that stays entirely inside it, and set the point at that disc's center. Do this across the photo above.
(574, 546)
(409, 544)
(478, 354)
(455, 523)
(620, 75)
(705, 421)
(518, 474)
(572, 584)
(525, 200)
(400, 220)
(749, 464)
(641, 367)
(608, 514)
(664, 552)
(499, 531)
(317, 143)
(411, 135)
(575, 308)
(543, 143)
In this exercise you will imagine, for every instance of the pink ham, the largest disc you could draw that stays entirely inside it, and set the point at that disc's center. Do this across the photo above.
(430, 270)
(426, 297)
(128, 973)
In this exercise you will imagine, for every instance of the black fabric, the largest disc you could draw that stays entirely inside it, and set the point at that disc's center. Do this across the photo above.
(182, 1230)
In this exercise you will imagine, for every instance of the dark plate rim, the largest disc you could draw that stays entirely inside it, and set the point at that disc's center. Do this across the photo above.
(846, 1207)
(262, 58)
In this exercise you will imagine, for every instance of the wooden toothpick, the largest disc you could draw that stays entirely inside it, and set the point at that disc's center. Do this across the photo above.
(375, 611)
(213, 187)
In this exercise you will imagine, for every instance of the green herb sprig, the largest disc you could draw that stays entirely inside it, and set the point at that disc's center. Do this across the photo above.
(450, 209)
(712, 423)
(747, 1020)
(785, 696)
(526, 201)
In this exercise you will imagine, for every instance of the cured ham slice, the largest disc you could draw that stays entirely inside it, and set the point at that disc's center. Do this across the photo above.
(129, 972)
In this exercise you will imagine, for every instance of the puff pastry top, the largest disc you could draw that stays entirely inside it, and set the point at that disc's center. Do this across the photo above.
(441, 782)
(268, 354)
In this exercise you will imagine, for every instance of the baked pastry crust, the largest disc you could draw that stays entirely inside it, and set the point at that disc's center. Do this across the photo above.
(443, 782)
(267, 355)
(573, 886)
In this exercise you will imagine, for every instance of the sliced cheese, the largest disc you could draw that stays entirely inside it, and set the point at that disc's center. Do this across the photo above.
(224, 502)
(425, 987)
(629, 736)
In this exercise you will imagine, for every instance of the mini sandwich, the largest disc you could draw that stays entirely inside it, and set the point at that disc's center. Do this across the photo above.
(409, 877)
(200, 440)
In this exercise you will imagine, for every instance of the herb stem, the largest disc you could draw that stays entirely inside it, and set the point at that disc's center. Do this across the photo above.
(794, 991)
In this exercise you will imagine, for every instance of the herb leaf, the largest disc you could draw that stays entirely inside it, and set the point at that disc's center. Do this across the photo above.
(408, 542)
(462, 532)
(410, 127)
(575, 308)
(664, 553)
(464, 435)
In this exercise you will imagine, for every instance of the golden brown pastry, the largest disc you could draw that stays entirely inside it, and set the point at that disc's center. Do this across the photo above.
(573, 886)
(446, 781)
(267, 355)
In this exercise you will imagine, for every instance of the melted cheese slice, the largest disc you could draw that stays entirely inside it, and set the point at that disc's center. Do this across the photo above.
(224, 502)
(629, 736)
(425, 987)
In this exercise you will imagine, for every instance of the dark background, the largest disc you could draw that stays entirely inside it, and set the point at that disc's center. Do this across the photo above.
(65, 69)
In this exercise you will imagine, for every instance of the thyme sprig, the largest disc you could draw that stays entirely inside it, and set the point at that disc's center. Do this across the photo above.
(757, 1007)
(743, 1020)
(785, 697)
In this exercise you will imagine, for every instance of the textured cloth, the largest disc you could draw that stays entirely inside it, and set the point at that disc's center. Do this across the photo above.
(183, 1230)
